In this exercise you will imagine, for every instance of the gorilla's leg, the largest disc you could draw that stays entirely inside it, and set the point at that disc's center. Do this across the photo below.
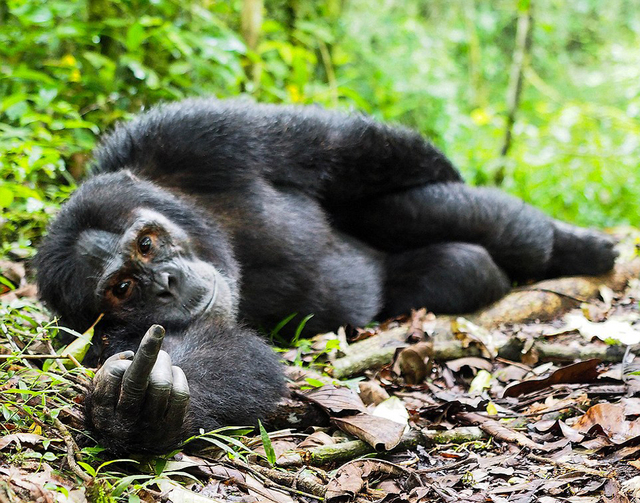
(445, 278)
(522, 240)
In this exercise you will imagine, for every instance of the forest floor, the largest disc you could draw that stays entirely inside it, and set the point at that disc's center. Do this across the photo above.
(535, 399)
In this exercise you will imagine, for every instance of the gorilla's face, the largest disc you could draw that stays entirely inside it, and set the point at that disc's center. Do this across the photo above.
(151, 270)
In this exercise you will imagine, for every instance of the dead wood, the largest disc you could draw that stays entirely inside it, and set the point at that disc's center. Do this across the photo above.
(344, 451)
(498, 431)
(547, 299)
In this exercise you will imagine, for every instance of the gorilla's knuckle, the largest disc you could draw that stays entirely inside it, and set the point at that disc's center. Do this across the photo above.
(114, 369)
(160, 384)
(180, 395)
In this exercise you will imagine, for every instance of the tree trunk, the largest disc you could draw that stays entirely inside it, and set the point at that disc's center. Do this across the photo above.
(514, 90)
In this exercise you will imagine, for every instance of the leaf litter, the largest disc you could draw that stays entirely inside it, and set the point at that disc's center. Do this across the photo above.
(417, 409)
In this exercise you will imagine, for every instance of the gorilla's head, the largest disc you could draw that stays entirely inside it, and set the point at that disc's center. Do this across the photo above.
(137, 253)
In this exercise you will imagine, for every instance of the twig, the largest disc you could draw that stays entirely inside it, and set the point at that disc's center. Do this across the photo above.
(451, 466)
(549, 290)
(290, 480)
(570, 466)
(499, 431)
(268, 482)
(72, 447)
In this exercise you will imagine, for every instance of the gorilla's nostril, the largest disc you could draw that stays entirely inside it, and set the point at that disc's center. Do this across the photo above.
(165, 295)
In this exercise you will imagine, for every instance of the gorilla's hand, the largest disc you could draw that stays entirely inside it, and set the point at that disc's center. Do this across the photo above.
(139, 401)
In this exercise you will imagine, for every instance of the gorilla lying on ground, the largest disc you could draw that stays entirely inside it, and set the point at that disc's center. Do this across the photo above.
(205, 213)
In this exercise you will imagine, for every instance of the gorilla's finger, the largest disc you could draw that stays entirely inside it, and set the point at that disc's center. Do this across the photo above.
(124, 355)
(136, 378)
(179, 399)
(108, 380)
(159, 388)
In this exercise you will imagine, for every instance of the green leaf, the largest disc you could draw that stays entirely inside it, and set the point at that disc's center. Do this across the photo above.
(88, 468)
(159, 465)
(300, 328)
(266, 443)
(314, 382)
(6, 197)
(135, 36)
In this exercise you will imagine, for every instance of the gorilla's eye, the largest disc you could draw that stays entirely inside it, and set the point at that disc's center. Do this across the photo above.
(144, 244)
(121, 289)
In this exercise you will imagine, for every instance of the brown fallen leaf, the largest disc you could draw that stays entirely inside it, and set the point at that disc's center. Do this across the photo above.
(611, 418)
(336, 401)
(380, 433)
(21, 438)
(281, 448)
(414, 363)
(352, 477)
(13, 271)
(472, 362)
(372, 393)
(560, 428)
(581, 372)
(635, 463)
(316, 439)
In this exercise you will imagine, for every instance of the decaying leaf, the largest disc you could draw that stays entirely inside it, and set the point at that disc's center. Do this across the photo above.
(581, 372)
(473, 362)
(336, 401)
(316, 439)
(611, 419)
(176, 493)
(469, 333)
(414, 363)
(372, 393)
(21, 438)
(392, 409)
(352, 477)
(380, 433)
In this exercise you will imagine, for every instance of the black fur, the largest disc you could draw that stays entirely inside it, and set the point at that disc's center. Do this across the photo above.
(301, 210)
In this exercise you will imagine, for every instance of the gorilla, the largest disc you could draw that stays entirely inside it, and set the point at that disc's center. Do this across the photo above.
(205, 217)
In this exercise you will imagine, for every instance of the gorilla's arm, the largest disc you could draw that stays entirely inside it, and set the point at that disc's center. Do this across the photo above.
(142, 402)
(205, 145)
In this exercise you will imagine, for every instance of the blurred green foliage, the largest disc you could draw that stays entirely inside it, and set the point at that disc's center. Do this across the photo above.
(70, 68)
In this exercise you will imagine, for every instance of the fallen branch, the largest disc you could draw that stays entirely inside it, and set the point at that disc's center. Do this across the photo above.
(547, 299)
(345, 451)
(461, 435)
(498, 431)
(305, 479)
(269, 483)
(72, 447)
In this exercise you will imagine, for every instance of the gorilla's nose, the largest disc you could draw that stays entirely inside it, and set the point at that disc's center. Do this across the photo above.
(165, 285)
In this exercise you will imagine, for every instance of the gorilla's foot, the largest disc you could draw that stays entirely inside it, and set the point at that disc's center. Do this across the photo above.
(578, 251)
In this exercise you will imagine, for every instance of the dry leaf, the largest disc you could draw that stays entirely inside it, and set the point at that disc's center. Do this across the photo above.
(352, 477)
(372, 393)
(611, 418)
(336, 401)
(380, 433)
(581, 372)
